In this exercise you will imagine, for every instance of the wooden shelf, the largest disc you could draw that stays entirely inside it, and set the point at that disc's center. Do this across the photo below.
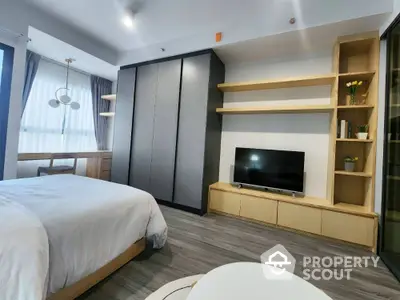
(367, 75)
(111, 97)
(277, 109)
(345, 207)
(357, 174)
(355, 140)
(355, 106)
(278, 84)
(393, 177)
(107, 114)
(394, 142)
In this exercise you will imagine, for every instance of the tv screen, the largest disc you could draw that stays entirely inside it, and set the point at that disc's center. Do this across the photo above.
(283, 170)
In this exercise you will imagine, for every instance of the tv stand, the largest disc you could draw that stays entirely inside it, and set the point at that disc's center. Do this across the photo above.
(317, 216)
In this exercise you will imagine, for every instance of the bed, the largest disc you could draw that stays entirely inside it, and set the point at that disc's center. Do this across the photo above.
(82, 228)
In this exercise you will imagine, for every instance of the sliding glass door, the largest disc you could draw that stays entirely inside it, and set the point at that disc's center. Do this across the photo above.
(390, 225)
(6, 66)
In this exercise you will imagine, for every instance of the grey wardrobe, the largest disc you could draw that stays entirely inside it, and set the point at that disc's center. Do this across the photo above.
(167, 137)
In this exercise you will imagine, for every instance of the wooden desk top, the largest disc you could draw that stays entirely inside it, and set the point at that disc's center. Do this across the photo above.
(47, 155)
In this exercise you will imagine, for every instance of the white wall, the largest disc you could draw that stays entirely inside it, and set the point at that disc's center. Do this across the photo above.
(299, 132)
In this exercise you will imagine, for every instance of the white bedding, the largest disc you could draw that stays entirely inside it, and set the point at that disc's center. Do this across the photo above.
(88, 222)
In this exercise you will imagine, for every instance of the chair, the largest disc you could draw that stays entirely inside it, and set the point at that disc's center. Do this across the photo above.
(52, 170)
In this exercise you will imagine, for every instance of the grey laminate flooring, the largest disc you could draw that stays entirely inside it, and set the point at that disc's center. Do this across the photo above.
(199, 244)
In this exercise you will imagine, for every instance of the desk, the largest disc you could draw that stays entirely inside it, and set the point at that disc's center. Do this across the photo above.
(98, 163)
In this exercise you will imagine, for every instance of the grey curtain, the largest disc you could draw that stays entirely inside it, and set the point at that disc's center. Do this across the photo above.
(31, 67)
(100, 87)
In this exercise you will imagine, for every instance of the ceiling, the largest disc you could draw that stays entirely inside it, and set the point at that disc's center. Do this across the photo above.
(164, 28)
(57, 50)
(303, 43)
(157, 20)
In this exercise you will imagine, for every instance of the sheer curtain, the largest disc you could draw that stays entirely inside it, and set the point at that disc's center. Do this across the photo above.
(47, 129)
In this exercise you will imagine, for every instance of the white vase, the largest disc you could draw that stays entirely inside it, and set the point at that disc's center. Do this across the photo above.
(362, 135)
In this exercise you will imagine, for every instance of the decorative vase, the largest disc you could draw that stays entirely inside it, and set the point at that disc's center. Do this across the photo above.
(351, 99)
(349, 166)
(362, 135)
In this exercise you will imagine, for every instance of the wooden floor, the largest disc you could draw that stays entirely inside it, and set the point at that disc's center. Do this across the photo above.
(199, 244)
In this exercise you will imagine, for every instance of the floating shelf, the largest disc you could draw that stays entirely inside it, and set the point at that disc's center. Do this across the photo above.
(111, 97)
(367, 75)
(278, 84)
(394, 142)
(107, 114)
(357, 174)
(355, 106)
(277, 109)
(354, 140)
(394, 177)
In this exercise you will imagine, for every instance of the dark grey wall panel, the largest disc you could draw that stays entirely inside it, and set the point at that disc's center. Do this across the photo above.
(165, 130)
(123, 125)
(143, 121)
(214, 127)
(192, 130)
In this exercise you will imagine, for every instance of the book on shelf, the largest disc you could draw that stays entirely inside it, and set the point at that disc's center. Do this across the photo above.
(345, 129)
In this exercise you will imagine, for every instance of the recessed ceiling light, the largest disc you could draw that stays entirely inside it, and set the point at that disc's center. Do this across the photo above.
(128, 21)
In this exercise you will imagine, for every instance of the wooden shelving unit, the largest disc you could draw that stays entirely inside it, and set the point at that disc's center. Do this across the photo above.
(364, 75)
(107, 114)
(357, 174)
(350, 195)
(112, 97)
(277, 109)
(351, 107)
(356, 58)
(354, 141)
(278, 84)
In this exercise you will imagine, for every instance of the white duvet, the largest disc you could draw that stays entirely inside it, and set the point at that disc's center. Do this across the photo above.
(88, 223)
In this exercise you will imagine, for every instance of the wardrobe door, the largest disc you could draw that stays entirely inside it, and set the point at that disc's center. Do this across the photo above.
(165, 130)
(143, 119)
(123, 126)
(191, 132)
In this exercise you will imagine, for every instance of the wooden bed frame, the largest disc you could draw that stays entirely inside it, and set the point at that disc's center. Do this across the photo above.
(78, 288)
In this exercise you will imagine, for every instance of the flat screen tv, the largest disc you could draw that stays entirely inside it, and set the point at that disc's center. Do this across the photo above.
(275, 169)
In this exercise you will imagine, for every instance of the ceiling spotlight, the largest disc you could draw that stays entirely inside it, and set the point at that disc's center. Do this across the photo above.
(127, 20)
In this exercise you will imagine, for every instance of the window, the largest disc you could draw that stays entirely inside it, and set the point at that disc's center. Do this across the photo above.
(47, 129)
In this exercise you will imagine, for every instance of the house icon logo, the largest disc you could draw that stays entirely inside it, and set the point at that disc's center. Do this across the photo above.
(278, 263)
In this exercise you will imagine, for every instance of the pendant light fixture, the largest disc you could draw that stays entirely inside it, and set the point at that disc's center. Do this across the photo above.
(64, 99)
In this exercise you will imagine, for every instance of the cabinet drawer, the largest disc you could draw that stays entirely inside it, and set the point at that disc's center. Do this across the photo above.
(350, 228)
(225, 202)
(105, 175)
(299, 217)
(258, 209)
(106, 164)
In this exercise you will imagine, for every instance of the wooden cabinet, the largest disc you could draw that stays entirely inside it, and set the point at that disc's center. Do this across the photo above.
(99, 168)
(228, 203)
(299, 217)
(306, 214)
(258, 209)
(350, 228)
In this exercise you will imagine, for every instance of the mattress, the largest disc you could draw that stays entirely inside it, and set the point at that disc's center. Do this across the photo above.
(88, 222)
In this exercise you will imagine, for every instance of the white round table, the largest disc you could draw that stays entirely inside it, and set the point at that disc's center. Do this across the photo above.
(246, 281)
